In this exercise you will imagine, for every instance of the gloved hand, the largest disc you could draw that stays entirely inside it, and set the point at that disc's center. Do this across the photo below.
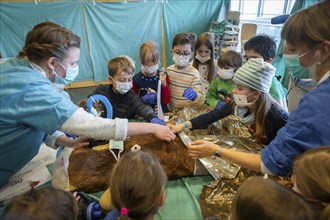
(157, 121)
(150, 98)
(189, 93)
(220, 104)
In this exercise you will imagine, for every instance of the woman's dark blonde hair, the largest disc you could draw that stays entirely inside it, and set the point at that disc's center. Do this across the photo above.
(149, 52)
(309, 26)
(137, 183)
(207, 40)
(49, 40)
(33, 35)
(118, 65)
(43, 204)
(258, 199)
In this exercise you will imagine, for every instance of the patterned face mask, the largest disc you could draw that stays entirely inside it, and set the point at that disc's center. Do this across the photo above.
(226, 73)
(180, 60)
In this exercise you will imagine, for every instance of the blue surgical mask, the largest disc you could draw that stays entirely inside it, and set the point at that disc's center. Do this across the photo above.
(292, 63)
(71, 73)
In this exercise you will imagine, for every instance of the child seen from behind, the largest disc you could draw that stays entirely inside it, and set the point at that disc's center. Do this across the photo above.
(137, 187)
(258, 198)
(43, 203)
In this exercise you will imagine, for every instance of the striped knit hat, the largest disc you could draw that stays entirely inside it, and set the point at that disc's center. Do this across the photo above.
(255, 74)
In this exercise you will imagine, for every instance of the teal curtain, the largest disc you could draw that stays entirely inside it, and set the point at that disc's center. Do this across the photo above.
(279, 61)
(119, 29)
(189, 16)
(108, 29)
(17, 19)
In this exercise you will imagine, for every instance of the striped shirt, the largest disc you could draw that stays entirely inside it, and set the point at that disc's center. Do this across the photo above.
(181, 79)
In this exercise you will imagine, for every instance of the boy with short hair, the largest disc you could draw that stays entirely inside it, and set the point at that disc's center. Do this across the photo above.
(125, 102)
(263, 46)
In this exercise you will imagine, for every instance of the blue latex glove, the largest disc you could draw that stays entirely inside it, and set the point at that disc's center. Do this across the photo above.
(150, 98)
(157, 121)
(189, 93)
(220, 104)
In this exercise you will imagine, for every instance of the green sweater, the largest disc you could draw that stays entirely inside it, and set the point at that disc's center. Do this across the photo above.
(219, 91)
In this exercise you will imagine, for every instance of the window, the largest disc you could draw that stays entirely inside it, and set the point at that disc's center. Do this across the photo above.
(261, 9)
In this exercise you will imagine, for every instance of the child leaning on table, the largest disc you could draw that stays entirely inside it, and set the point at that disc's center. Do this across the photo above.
(43, 203)
(131, 196)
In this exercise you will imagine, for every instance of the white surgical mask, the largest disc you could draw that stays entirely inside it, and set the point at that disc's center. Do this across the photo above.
(241, 100)
(149, 70)
(226, 73)
(181, 61)
(123, 88)
(203, 59)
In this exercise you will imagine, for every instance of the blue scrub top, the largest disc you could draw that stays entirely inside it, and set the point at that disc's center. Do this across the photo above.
(30, 107)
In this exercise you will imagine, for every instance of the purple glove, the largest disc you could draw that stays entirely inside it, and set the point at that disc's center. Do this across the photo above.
(150, 98)
(220, 104)
(189, 93)
(157, 121)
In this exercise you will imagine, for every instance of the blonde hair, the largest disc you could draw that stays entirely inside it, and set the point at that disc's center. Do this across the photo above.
(136, 184)
(43, 204)
(149, 52)
(118, 65)
(312, 170)
(258, 198)
(207, 40)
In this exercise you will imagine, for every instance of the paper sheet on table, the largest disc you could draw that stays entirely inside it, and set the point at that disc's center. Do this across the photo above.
(35, 171)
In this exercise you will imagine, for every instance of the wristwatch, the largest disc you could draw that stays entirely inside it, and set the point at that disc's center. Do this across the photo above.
(218, 152)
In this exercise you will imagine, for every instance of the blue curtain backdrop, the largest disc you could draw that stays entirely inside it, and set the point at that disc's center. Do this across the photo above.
(17, 19)
(108, 29)
(189, 16)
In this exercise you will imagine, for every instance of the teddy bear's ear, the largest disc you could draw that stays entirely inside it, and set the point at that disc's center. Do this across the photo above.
(83, 104)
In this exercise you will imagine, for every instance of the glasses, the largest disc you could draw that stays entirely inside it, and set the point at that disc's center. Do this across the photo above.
(179, 53)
